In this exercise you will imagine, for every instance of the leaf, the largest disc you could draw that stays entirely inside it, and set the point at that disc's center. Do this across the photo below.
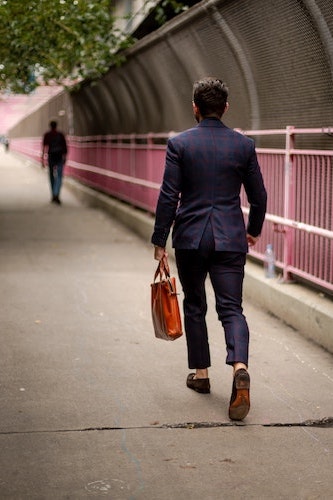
(42, 41)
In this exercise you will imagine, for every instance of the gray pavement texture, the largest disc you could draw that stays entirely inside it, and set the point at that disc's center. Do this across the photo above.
(92, 405)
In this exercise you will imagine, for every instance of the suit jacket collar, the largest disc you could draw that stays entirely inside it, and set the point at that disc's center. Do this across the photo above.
(211, 122)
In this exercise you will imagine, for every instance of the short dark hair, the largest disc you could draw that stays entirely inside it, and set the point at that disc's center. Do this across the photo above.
(210, 95)
(53, 124)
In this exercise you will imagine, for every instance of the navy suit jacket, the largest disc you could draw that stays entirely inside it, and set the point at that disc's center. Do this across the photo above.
(204, 171)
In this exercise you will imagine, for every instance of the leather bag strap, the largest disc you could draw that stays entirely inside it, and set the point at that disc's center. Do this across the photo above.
(162, 268)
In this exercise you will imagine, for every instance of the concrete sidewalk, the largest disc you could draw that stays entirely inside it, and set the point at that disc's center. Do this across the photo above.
(92, 405)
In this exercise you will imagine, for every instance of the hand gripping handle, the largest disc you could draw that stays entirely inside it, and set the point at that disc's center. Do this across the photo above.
(162, 268)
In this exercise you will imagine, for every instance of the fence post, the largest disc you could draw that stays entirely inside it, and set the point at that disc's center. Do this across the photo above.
(150, 165)
(289, 203)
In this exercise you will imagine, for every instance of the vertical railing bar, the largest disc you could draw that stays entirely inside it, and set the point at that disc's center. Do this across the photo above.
(288, 202)
(150, 161)
(313, 261)
(307, 202)
(319, 199)
(329, 189)
(133, 163)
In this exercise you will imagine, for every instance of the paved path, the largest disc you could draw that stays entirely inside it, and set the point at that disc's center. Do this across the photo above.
(92, 405)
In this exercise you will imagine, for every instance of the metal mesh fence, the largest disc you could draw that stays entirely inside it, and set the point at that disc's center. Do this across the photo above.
(275, 55)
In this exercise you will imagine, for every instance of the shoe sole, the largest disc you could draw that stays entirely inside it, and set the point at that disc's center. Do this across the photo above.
(241, 406)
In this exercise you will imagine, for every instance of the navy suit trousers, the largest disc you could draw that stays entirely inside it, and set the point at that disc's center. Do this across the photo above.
(226, 271)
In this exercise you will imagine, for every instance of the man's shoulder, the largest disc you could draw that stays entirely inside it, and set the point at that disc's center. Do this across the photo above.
(199, 133)
(180, 136)
(238, 136)
(221, 129)
(46, 137)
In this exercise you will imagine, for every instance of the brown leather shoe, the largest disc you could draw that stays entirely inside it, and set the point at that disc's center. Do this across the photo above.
(198, 384)
(240, 396)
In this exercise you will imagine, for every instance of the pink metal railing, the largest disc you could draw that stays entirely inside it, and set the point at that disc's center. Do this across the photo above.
(129, 167)
(299, 220)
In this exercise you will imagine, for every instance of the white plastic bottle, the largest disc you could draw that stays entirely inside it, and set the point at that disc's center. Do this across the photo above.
(269, 262)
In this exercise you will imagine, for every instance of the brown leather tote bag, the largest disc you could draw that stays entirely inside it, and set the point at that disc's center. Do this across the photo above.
(164, 304)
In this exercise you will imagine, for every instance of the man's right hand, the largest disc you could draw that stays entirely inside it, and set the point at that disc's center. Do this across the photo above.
(159, 253)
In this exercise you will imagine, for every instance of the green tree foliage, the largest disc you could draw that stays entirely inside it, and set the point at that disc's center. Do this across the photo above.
(169, 8)
(61, 41)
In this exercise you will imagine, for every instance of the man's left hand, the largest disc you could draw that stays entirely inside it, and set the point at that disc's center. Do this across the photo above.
(252, 240)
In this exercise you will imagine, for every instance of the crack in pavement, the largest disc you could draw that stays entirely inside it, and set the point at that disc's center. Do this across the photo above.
(326, 422)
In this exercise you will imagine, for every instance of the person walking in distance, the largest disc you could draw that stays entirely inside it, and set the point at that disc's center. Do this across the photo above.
(54, 143)
(205, 169)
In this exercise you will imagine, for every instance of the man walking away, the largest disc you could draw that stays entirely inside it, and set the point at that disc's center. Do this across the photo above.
(54, 143)
(205, 169)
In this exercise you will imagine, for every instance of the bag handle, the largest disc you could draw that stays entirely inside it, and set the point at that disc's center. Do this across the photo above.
(162, 267)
